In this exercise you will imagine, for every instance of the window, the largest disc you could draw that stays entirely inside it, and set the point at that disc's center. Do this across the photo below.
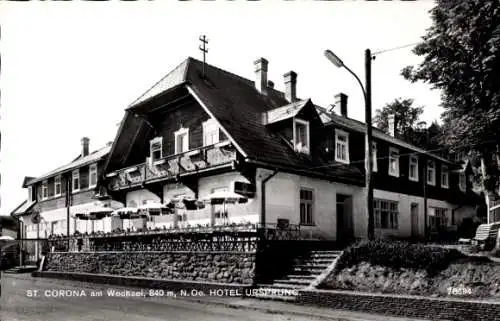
(341, 146)
(374, 157)
(210, 132)
(445, 176)
(301, 136)
(93, 175)
(386, 214)
(182, 140)
(431, 173)
(219, 210)
(306, 207)
(413, 167)
(57, 186)
(393, 162)
(76, 180)
(155, 148)
(462, 181)
(45, 190)
(437, 217)
(31, 195)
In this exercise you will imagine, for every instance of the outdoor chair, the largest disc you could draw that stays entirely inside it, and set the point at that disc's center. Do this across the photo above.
(486, 236)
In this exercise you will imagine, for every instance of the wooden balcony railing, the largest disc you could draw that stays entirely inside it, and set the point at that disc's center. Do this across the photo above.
(192, 161)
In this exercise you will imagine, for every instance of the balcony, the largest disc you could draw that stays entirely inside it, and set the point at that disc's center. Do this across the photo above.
(174, 166)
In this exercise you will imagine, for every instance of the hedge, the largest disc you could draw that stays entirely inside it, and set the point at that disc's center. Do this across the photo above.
(397, 254)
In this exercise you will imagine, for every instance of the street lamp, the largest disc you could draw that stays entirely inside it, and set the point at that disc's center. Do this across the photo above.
(367, 94)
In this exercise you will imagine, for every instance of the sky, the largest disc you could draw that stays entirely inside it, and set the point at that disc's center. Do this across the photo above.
(69, 69)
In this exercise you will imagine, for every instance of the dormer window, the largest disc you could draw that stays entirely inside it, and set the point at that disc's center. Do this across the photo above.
(394, 162)
(155, 148)
(341, 146)
(57, 186)
(210, 132)
(31, 195)
(301, 138)
(445, 177)
(45, 190)
(182, 140)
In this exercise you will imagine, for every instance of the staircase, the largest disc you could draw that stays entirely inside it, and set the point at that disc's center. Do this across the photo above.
(304, 272)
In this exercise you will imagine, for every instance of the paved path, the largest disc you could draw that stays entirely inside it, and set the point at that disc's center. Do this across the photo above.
(19, 302)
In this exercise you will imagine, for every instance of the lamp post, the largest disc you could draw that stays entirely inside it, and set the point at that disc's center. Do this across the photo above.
(367, 94)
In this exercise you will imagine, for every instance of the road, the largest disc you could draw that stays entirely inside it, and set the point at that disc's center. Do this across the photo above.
(17, 305)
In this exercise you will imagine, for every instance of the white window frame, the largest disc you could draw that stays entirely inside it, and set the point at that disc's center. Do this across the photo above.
(445, 171)
(93, 168)
(393, 214)
(45, 190)
(396, 159)
(308, 220)
(339, 133)
(413, 160)
(209, 127)
(57, 182)
(30, 194)
(298, 146)
(432, 179)
(462, 181)
(374, 157)
(180, 132)
(155, 141)
(75, 175)
(438, 217)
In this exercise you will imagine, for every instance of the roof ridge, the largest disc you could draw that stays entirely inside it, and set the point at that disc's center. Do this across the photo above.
(185, 61)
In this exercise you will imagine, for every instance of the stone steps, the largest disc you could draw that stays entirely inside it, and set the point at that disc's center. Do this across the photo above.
(296, 282)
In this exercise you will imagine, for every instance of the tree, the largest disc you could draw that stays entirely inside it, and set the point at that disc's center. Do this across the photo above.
(408, 124)
(461, 52)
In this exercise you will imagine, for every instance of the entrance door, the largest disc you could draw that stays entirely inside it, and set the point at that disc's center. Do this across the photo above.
(414, 219)
(345, 230)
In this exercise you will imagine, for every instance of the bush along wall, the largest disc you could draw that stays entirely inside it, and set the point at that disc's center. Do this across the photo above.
(219, 267)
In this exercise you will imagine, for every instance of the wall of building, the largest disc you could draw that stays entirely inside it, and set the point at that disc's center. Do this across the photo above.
(404, 209)
(283, 201)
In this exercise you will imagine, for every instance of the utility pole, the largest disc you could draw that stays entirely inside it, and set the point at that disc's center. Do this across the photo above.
(369, 144)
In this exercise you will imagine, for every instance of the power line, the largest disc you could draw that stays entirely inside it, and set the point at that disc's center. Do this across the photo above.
(395, 48)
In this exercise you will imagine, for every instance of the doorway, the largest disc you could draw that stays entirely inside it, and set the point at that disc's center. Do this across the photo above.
(414, 220)
(345, 228)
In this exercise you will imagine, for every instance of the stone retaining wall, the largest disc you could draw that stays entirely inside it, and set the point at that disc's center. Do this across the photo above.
(218, 267)
(407, 306)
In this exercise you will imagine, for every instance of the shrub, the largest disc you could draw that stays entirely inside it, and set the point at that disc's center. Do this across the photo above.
(396, 254)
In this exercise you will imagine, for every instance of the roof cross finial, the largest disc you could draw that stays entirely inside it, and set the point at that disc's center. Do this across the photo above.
(204, 49)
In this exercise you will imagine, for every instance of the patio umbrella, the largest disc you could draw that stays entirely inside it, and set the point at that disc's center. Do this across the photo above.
(93, 214)
(224, 197)
(155, 209)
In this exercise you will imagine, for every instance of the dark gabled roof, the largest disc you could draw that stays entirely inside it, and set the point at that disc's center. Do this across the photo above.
(23, 208)
(26, 180)
(79, 162)
(239, 108)
(356, 125)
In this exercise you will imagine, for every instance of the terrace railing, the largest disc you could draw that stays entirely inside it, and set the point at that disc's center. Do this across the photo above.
(203, 158)
(238, 238)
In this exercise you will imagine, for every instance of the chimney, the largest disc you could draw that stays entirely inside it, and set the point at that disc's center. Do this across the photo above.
(290, 86)
(85, 146)
(341, 103)
(261, 75)
(391, 122)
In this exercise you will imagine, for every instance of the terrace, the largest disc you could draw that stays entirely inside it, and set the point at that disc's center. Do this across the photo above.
(198, 160)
